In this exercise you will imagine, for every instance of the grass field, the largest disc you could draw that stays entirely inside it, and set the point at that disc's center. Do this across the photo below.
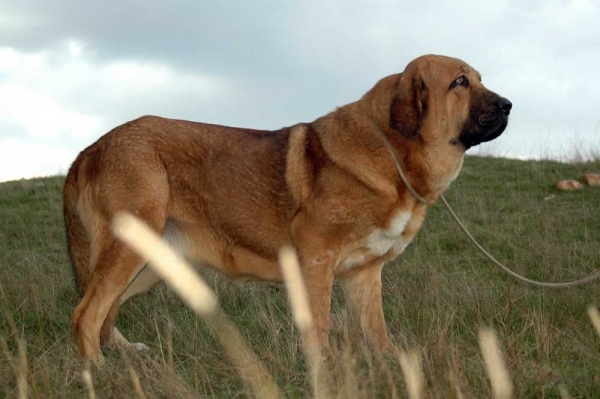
(437, 296)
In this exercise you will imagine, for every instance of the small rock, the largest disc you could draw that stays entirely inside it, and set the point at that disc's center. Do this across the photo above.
(592, 179)
(568, 185)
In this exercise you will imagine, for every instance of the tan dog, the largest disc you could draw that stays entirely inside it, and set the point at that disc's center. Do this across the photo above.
(229, 198)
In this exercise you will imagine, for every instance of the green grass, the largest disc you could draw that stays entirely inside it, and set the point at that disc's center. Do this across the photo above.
(437, 296)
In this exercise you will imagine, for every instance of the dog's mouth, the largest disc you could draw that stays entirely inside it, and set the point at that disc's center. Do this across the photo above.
(487, 128)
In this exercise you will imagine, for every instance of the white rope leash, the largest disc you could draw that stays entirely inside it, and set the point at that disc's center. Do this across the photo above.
(485, 253)
(397, 164)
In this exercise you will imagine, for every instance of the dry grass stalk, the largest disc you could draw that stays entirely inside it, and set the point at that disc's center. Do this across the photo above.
(87, 379)
(22, 370)
(411, 368)
(595, 317)
(252, 371)
(298, 298)
(564, 394)
(194, 291)
(454, 374)
(294, 282)
(495, 367)
(139, 392)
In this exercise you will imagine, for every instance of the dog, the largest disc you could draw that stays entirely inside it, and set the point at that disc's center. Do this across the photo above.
(229, 198)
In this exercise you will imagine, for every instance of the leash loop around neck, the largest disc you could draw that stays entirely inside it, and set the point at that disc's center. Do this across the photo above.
(397, 164)
(485, 253)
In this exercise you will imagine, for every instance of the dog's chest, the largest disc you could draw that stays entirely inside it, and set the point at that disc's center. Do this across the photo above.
(379, 242)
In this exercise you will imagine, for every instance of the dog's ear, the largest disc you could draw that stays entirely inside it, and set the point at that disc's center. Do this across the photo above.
(409, 106)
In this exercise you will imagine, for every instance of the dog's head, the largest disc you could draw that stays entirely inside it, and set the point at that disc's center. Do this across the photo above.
(441, 99)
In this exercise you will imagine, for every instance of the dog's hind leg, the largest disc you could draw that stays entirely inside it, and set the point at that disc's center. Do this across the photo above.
(145, 280)
(115, 268)
(114, 265)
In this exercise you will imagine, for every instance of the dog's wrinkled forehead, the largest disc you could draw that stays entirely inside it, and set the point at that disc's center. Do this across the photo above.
(437, 67)
(453, 69)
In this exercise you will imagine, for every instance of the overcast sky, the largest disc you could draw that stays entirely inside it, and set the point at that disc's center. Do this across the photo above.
(71, 70)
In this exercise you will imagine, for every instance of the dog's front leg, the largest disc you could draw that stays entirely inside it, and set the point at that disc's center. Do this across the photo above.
(317, 263)
(318, 277)
(363, 295)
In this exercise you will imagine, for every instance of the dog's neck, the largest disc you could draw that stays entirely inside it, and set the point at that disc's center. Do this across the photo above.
(371, 161)
(428, 165)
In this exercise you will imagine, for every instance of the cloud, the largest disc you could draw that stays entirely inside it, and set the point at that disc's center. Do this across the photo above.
(23, 158)
(71, 70)
(59, 93)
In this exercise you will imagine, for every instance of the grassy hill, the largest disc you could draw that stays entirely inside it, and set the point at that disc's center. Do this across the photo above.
(436, 297)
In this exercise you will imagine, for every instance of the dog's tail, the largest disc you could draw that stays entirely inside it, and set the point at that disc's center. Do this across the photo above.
(77, 237)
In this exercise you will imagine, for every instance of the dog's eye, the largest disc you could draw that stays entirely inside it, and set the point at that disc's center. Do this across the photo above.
(462, 81)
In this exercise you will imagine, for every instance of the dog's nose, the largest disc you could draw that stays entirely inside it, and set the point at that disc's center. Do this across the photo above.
(504, 105)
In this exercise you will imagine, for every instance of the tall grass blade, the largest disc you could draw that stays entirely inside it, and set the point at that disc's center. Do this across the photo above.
(411, 368)
(595, 317)
(494, 364)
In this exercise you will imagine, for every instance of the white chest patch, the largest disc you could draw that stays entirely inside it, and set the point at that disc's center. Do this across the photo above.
(380, 241)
